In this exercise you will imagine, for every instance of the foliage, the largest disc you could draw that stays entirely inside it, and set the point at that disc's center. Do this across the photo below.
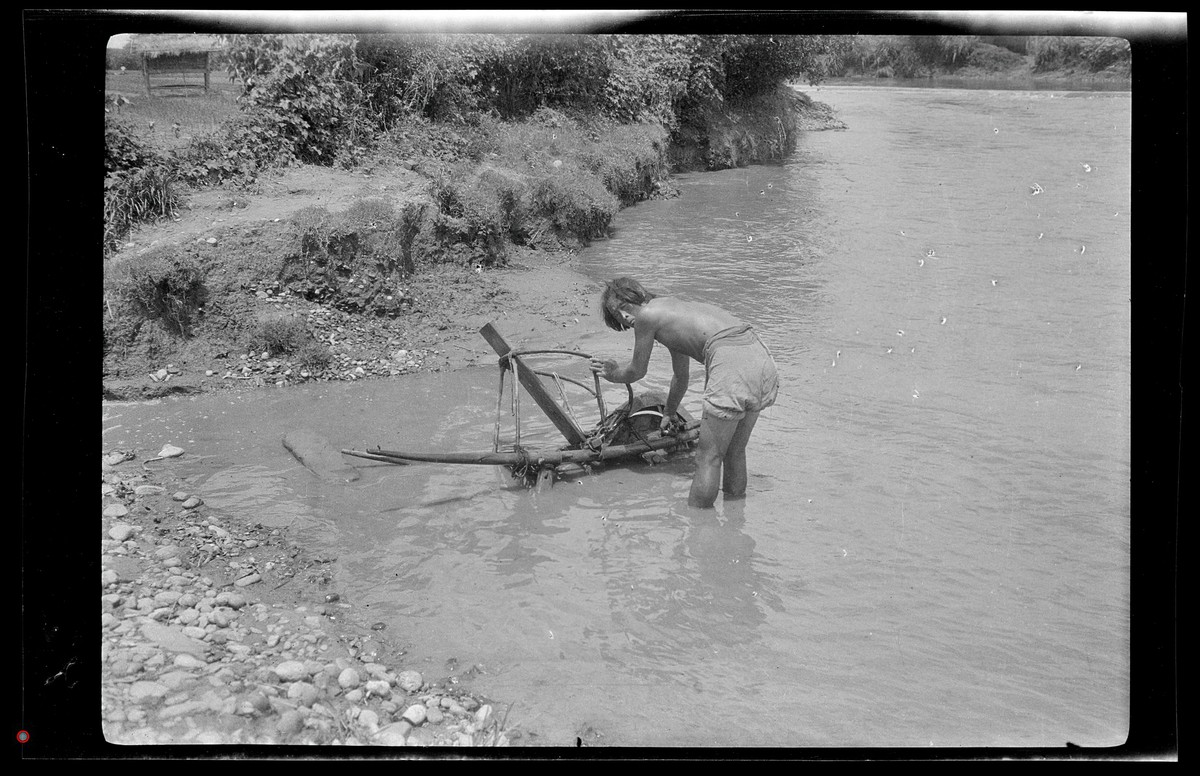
(116, 58)
(227, 156)
(629, 160)
(138, 184)
(165, 285)
(623, 77)
(423, 75)
(912, 56)
(648, 75)
(575, 203)
(947, 51)
(279, 335)
(312, 355)
(1089, 54)
(124, 151)
(299, 91)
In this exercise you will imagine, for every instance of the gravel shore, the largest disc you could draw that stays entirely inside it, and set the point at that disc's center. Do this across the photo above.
(220, 631)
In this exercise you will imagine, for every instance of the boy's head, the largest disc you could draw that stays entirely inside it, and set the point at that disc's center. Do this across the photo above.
(617, 294)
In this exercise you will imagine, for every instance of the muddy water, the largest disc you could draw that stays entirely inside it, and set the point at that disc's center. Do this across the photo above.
(935, 545)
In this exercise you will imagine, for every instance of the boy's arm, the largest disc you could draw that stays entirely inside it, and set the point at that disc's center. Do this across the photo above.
(643, 333)
(681, 364)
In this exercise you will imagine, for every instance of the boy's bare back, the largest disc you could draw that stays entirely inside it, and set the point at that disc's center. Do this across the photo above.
(684, 327)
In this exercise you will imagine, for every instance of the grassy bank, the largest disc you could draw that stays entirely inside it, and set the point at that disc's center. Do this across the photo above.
(453, 200)
(1021, 60)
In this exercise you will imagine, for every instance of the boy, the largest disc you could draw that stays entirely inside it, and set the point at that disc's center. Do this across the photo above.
(739, 378)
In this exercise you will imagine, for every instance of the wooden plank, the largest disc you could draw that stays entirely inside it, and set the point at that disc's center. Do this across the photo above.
(533, 385)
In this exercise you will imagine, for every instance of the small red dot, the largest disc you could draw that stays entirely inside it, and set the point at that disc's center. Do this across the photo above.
(23, 736)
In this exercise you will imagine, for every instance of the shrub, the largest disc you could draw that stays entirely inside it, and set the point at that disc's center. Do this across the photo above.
(301, 98)
(243, 148)
(134, 197)
(279, 335)
(576, 203)
(474, 214)
(163, 285)
(312, 355)
(1089, 54)
(138, 183)
(123, 151)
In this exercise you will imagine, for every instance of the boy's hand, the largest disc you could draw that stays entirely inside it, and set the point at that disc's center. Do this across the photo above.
(604, 367)
(669, 426)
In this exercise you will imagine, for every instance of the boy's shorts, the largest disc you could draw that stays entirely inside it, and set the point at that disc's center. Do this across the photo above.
(740, 374)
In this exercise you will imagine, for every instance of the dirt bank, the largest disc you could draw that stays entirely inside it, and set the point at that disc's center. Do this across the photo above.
(535, 295)
(219, 630)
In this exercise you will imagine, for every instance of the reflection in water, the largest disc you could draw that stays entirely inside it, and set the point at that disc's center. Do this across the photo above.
(680, 584)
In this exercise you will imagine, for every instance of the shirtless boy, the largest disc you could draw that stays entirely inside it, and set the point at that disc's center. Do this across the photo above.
(739, 379)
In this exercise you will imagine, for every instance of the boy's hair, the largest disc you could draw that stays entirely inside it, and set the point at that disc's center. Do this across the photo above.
(620, 292)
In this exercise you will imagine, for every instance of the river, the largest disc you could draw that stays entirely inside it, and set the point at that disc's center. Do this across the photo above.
(935, 545)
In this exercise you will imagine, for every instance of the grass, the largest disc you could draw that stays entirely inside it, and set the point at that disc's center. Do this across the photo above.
(153, 117)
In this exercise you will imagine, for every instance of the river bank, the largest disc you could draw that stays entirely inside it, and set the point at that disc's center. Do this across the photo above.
(218, 630)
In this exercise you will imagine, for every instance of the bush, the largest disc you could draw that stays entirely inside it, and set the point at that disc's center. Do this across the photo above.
(312, 355)
(138, 183)
(246, 146)
(124, 151)
(575, 202)
(134, 197)
(474, 214)
(163, 285)
(279, 335)
(1087, 54)
(301, 98)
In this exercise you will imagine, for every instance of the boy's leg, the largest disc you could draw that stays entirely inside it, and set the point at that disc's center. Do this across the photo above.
(715, 437)
(734, 474)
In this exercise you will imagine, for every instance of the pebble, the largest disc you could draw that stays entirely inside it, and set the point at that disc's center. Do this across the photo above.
(409, 681)
(147, 692)
(248, 580)
(231, 599)
(291, 671)
(349, 679)
(394, 734)
(368, 719)
(290, 723)
(121, 531)
(303, 692)
(184, 660)
(416, 713)
(378, 687)
(115, 510)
